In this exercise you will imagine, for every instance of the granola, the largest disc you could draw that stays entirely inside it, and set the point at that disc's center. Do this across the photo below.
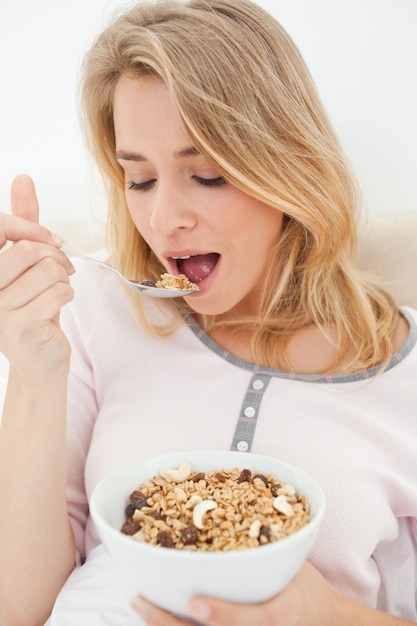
(222, 510)
(180, 282)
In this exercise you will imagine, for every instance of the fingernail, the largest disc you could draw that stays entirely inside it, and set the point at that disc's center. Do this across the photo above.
(139, 607)
(199, 610)
(57, 239)
(71, 270)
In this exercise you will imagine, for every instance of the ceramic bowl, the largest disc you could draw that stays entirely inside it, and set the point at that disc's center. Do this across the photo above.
(171, 577)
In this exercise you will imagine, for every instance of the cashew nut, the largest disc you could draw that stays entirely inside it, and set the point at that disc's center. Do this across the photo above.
(180, 494)
(200, 510)
(139, 535)
(195, 499)
(286, 490)
(281, 504)
(176, 475)
(255, 529)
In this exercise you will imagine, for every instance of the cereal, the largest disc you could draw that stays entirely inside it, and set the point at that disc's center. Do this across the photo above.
(221, 510)
(180, 282)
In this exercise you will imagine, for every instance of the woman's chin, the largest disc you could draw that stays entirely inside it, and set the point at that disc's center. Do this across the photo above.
(206, 306)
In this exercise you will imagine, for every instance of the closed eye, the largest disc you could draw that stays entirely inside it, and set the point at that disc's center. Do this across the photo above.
(210, 182)
(141, 186)
(148, 184)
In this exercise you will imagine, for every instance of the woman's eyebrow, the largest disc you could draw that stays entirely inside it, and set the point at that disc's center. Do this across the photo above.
(187, 152)
(129, 156)
(135, 156)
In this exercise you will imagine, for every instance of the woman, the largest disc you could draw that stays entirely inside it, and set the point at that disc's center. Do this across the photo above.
(220, 163)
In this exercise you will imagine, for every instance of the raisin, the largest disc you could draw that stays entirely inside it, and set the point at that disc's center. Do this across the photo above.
(261, 477)
(189, 535)
(130, 528)
(129, 510)
(274, 489)
(156, 515)
(245, 476)
(165, 539)
(199, 476)
(264, 534)
(138, 500)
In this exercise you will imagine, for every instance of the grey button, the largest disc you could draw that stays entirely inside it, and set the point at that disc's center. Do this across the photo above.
(242, 446)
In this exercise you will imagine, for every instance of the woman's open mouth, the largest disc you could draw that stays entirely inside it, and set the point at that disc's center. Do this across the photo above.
(197, 267)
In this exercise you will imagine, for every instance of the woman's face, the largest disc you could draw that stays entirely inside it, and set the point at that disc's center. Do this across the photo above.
(196, 223)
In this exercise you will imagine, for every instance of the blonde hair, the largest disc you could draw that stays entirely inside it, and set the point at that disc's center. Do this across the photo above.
(248, 103)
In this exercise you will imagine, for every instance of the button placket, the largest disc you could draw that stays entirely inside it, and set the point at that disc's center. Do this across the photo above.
(246, 425)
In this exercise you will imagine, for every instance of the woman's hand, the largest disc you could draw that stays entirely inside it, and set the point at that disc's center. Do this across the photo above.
(308, 600)
(34, 285)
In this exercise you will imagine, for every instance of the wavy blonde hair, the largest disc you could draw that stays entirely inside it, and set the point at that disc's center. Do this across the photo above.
(248, 104)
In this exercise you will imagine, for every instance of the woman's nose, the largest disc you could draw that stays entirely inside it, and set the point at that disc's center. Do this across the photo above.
(171, 209)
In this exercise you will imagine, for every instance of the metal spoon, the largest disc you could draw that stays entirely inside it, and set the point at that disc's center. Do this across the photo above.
(142, 287)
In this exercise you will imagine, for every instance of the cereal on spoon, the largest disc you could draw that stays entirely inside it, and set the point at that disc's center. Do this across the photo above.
(180, 282)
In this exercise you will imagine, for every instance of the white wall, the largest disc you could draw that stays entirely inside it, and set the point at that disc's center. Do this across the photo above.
(362, 54)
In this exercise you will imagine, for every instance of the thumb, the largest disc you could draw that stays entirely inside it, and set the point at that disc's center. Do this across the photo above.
(23, 198)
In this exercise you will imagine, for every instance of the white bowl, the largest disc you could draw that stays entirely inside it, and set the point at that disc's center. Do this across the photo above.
(169, 577)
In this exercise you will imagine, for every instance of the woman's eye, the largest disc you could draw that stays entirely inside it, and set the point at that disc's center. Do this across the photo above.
(210, 182)
(140, 186)
(148, 184)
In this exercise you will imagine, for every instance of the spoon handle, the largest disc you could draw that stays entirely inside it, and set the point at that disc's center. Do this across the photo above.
(97, 262)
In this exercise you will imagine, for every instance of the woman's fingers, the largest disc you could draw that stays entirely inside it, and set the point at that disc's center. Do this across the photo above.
(308, 600)
(155, 616)
(14, 228)
(34, 285)
(30, 336)
(37, 279)
(24, 201)
(23, 223)
(25, 255)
